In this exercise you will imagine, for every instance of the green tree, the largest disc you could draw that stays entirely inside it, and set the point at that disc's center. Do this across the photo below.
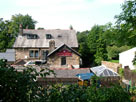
(6, 36)
(97, 43)
(126, 26)
(21, 86)
(84, 49)
(25, 20)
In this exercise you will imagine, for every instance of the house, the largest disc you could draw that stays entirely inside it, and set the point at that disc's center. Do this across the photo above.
(9, 55)
(126, 58)
(58, 45)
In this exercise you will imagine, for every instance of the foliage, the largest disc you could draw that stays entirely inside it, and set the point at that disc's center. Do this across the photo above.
(113, 51)
(84, 49)
(6, 36)
(121, 72)
(134, 60)
(9, 29)
(25, 20)
(22, 87)
(19, 86)
(97, 44)
(126, 31)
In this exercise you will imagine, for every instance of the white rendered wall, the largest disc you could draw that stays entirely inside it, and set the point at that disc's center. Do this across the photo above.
(127, 57)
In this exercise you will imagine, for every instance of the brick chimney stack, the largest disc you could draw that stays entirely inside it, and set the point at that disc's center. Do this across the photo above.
(51, 45)
(20, 29)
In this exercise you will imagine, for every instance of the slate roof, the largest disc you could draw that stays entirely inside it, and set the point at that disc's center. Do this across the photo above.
(59, 36)
(68, 73)
(103, 71)
(61, 47)
(9, 55)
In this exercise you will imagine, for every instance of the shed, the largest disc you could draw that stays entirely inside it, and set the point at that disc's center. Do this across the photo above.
(126, 58)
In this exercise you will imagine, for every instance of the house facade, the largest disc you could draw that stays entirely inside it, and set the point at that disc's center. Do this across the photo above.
(38, 44)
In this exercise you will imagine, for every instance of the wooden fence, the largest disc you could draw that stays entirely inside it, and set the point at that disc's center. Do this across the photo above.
(108, 81)
(50, 81)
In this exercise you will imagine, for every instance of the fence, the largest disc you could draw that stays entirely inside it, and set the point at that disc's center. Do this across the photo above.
(130, 75)
(50, 81)
(108, 81)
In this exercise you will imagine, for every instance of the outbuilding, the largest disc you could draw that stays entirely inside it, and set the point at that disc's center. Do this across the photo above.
(126, 58)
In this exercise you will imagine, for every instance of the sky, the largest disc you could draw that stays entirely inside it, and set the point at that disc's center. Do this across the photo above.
(60, 14)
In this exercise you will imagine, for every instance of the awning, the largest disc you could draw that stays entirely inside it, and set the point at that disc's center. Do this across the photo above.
(85, 76)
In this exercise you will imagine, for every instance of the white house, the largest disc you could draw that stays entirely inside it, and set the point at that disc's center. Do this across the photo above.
(126, 58)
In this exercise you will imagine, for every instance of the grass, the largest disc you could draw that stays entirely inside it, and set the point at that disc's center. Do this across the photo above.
(114, 61)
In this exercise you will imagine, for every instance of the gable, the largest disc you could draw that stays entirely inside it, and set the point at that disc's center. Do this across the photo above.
(63, 50)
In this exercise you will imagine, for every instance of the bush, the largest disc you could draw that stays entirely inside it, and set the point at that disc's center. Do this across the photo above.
(121, 72)
(23, 87)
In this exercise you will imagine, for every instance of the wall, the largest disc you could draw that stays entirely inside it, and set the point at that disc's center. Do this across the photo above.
(21, 53)
(54, 61)
(113, 66)
(126, 58)
(130, 75)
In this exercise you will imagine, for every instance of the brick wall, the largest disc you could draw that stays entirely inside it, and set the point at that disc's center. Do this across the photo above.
(113, 66)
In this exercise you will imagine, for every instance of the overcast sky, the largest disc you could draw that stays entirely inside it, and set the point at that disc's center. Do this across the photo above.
(60, 14)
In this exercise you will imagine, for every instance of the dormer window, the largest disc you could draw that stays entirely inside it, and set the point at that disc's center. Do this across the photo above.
(32, 36)
(48, 36)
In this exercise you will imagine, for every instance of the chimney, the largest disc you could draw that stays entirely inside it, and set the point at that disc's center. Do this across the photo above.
(51, 45)
(20, 29)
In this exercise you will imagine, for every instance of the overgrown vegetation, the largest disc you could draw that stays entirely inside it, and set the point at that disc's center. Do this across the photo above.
(105, 42)
(121, 72)
(23, 87)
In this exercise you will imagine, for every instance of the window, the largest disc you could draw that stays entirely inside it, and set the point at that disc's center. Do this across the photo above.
(34, 53)
(32, 36)
(48, 36)
(63, 60)
(31, 53)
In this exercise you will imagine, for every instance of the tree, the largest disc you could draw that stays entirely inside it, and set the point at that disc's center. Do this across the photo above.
(9, 29)
(16, 86)
(84, 49)
(25, 20)
(97, 43)
(6, 36)
(126, 26)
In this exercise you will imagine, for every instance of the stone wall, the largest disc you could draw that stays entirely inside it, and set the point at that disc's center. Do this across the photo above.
(113, 66)
(21, 53)
(55, 61)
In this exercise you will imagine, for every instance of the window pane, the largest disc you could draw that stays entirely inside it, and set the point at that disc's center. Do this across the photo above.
(31, 53)
(63, 61)
(36, 54)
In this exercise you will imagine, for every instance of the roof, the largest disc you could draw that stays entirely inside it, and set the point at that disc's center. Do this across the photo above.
(103, 71)
(62, 45)
(85, 76)
(9, 55)
(59, 36)
(68, 73)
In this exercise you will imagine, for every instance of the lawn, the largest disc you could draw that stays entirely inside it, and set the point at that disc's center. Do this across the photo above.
(114, 61)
